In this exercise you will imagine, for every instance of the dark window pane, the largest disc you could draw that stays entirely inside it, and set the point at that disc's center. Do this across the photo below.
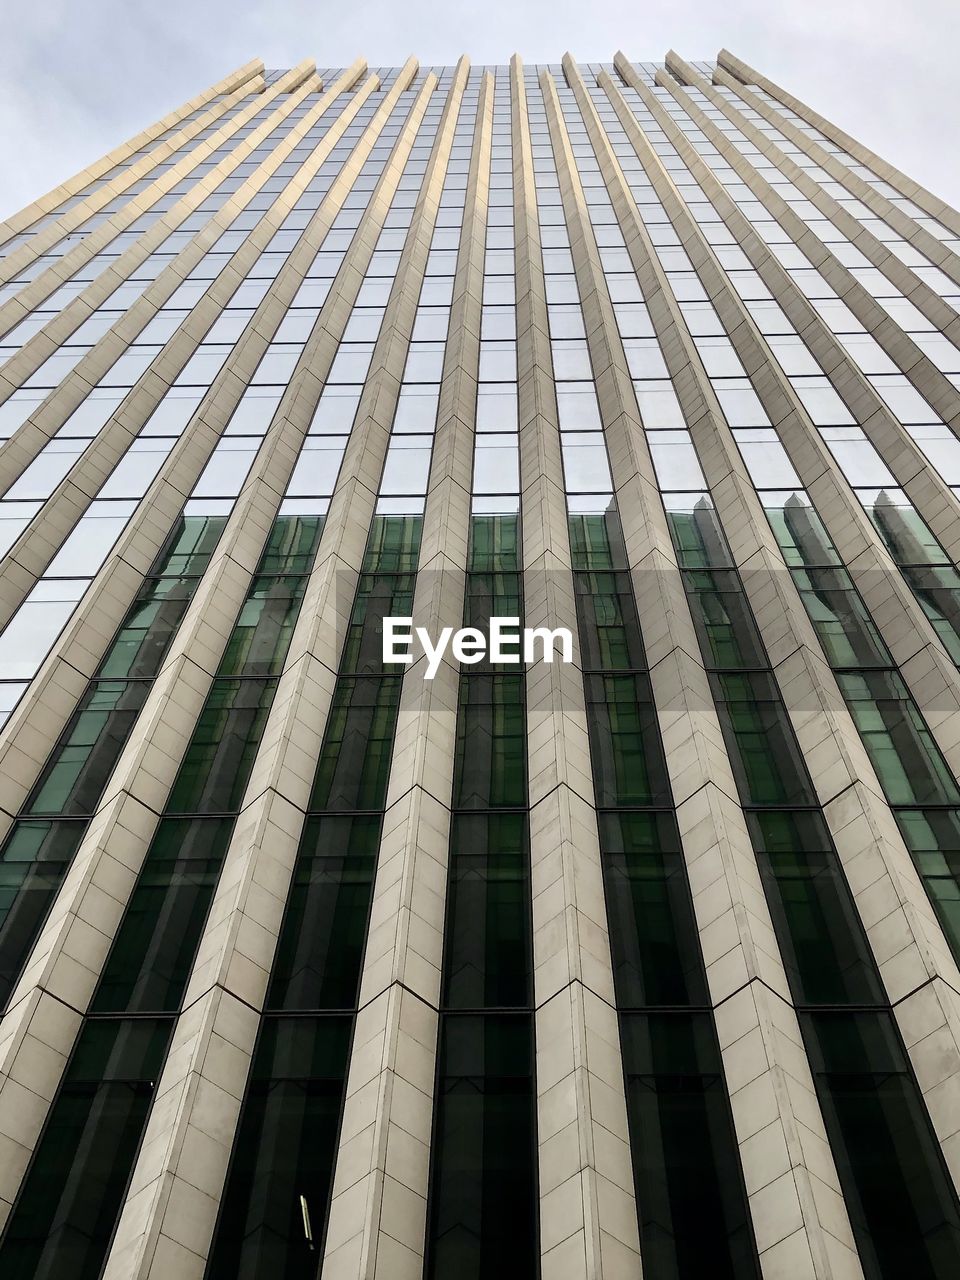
(491, 595)
(378, 596)
(821, 939)
(938, 590)
(487, 957)
(218, 761)
(607, 622)
(483, 1206)
(933, 838)
(490, 761)
(283, 1153)
(690, 1195)
(154, 949)
(33, 863)
(902, 749)
(843, 625)
(320, 951)
(902, 1206)
(653, 935)
(64, 1217)
(725, 628)
(355, 759)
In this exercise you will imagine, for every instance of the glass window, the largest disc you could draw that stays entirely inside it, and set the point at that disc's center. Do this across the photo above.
(764, 754)
(902, 1206)
(33, 862)
(903, 752)
(821, 938)
(320, 951)
(578, 408)
(282, 1162)
(628, 765)
(490, 755)
(659, 406)
(47, 470)
(174, 411)
(136, 470)
(690, 1195)
(355, 759)
(226, 470)
(653, 934)
(91, 414)
(220, 755)
(487, 949)
(336, 410)
(482, 1204)
(63, 1219)
(496, 464)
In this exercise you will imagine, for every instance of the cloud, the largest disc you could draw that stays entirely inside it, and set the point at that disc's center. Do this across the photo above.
(82, 75)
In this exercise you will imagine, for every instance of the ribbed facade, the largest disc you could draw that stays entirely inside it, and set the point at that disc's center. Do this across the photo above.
(643, 964)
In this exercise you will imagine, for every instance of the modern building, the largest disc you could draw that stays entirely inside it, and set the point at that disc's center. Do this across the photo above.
(640, 964)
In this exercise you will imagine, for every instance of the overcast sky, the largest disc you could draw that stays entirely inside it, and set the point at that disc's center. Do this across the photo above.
(80, 76)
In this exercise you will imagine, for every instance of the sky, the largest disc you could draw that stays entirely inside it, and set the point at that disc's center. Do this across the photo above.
(81, 76)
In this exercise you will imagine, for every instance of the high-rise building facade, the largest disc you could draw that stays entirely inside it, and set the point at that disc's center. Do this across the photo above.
(641, 963)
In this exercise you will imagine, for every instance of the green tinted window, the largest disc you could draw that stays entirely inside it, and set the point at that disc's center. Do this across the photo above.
(291, 545)
(843, 625)
(490, 759)
(698, 537)
(800, 532)
(393, 545)
(607, 622)
(217, 765)
(355, 758)
(378, 596)
(628, 765)
(81, 763)
(596, 541)
(897, 1190)
(153, 951)
(283, 1155)
(908, 761)
(653, 934)
(938, 590)
(725, 628)
(148, 628)
(487, 950)
(821, 939)
(261, 635)
(482, 1205)
(494, 544)
(764, 754)
(190, 547)
(318, 959)
(690, 1196)
(33, 862)
(933, 838)
(63, 1220)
